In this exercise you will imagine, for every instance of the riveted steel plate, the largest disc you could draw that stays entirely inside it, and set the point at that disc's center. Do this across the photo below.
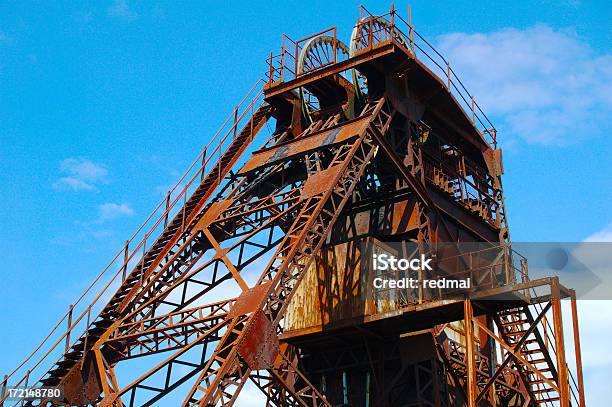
(83, 387)
(249, 300)
(259, 345)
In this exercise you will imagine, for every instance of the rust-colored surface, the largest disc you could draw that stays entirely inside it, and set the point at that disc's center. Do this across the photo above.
(331, 290)
(213, 212)
(493, 159)
(259, 346)
(423, 173)
(304, 144)
(319, 182)
(249, 300)
(83, 387)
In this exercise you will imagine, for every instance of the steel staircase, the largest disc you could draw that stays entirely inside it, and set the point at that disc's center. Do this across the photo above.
(515, 324)
(162, 248)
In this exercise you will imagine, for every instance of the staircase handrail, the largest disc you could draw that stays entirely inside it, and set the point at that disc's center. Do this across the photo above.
(247, 105)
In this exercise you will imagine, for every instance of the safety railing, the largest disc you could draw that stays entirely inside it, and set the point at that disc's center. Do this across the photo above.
(502, 265)
(505, 267)
(86, 308)
(376, 30)
(548, 333)
(472, 192)
(493, 266)
(404, 34)
(285, 65)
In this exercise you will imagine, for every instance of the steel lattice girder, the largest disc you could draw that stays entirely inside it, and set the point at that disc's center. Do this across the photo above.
(301, 243)
(140, 331)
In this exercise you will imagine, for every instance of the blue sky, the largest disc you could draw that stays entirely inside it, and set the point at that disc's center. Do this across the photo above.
(103, 104)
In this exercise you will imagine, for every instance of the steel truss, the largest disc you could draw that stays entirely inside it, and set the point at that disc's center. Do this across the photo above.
(296, 196)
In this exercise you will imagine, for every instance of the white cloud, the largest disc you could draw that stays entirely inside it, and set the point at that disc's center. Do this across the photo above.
(251, 396)
(542, 85)
(81, 174)
(72, 183)
(110, 211)
(121, 9)
(604, 235)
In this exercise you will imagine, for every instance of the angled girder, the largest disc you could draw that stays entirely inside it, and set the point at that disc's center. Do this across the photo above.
(238, 215)
(142, 393)
(165, 332)
(324, 195)
(172, 238)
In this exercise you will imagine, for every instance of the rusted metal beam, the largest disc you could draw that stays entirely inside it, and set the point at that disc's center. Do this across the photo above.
(220, 252)
(577, 350)
(274, 89)
(303, 241)
(470, 353)
(513, 352)
(562, 369)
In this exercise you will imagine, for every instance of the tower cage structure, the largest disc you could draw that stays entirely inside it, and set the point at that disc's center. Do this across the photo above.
(340, 150)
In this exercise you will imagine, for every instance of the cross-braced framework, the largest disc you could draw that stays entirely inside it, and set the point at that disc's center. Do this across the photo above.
(250, 270)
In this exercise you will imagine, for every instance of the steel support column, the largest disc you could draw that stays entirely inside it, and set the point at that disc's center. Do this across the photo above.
(470, 355)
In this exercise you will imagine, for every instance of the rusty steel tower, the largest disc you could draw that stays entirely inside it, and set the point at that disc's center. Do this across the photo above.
(343, 146)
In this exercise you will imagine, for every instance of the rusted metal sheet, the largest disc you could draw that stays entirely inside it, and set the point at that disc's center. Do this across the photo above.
(362, 223)
(493, 159)
(404, 217)
(330, 291)
(304, 310)
(305, 144)
(259, 346)
(249, 300)
(320, 181)
(82, 386)
(213, 212)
